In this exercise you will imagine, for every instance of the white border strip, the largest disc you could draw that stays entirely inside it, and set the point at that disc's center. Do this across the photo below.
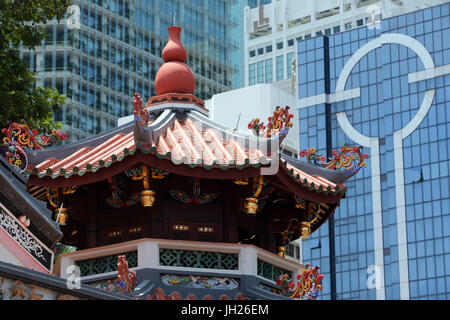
(329, 98)
(377, 215)
(429, 73)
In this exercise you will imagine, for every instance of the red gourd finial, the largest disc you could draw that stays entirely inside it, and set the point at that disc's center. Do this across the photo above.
(174, 76)
(174, 49)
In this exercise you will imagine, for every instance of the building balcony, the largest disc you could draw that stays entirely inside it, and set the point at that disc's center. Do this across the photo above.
(162, 263)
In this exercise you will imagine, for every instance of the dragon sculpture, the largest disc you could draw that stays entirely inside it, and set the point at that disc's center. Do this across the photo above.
(279, 122)
(348, 158)
(20, 138)
(308, 286)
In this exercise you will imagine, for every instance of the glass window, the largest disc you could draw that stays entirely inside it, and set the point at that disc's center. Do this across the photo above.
(260, 51)
(290, 42)
(252, 53)
(269, 72)
(269, 49)
(359, 22)
(307, 36)
(336, 29)
(319, 33)
(280, 45)
(348, 26)
(279, 67)
(260, 74)
(328, 31)
(253, 3)
(252, 74)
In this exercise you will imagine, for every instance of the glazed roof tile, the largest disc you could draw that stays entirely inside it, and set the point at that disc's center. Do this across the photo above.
(313, 182)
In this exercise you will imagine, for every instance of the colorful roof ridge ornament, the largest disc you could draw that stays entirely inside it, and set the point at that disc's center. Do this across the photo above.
(308, 285)
(29, 139)
(19, 138)
(141, 116)
(280, 122)
(348, 158)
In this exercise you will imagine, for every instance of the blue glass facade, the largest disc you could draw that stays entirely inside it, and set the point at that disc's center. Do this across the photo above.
(383, 100)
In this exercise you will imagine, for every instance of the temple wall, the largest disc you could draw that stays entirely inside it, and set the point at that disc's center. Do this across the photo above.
(9, 257)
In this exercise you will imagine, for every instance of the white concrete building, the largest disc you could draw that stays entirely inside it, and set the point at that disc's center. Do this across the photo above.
(272, 31)
(236, 108)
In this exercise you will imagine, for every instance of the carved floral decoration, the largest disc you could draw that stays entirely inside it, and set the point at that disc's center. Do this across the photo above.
(117, 199)
(136, 173)
(197, 196)
(200, 282)
(17, 231)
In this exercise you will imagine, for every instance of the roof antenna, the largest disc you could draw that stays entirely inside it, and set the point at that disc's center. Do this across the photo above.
(60, 208)
(282, 148)
(173, 22)
(237, 123)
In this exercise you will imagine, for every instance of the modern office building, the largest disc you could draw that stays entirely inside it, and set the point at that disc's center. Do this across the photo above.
(113, 50)
(272, 28)
(384, 87)
(237, 38)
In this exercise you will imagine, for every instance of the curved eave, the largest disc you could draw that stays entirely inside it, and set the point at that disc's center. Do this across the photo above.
(324, 216)
(137, 157)
(335, 176)
(325, 192)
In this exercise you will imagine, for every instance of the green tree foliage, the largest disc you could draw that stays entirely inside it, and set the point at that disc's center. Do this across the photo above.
(21, 23)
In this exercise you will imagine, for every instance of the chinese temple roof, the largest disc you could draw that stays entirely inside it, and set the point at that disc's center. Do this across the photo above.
(176, 135)
(179, 140)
